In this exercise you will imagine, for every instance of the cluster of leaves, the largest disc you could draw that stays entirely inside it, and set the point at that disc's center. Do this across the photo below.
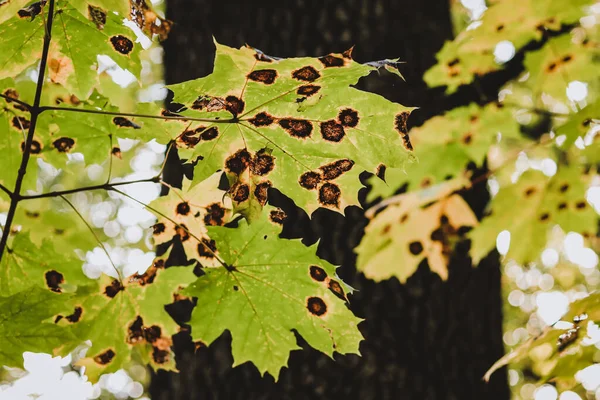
(506, 142)
(255, 124)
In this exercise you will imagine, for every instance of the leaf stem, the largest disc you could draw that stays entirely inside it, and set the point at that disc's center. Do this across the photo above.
(5, 190)
(104, 186)
(120, 114)
(35, 112)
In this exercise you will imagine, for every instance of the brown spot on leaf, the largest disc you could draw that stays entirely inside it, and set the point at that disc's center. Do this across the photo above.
(567, 58)
(97, 16)
(207, 248)
(238, 162)
(530, 191)
(123, 122)
(63, 144)
(467, 138)
(331, 61)
(299, 128)
(135, 332)
(182, 231)
(348, 117)
(261, 192)
(335, 169)
(114, 288)
(35, 148)
(241, 192)
(402, 128)
(189, 138)
(262, 163)
(53, 280)
(329, 195)
(562, 205)
(415, 248)
(426, 182)
(116, 151)
(157, 229)
(317, 273)
(211, 104)
(403, 218)
(266, 76)
(207, 134)
(310, 180)
(544, 216)
(564, 187)
(214, 215)
(234, 105)
(183, 208)
(262, 119)
(316, 306)
(32, 10)
(278, 216)
(437, 235)
(307, 74)
(332, 131)
(308, 90)
(12, 93)
(160, 356)
(105, 357)
(337, 289)
(380, 172)
(76, 316)
(551, 67)
(21, 123)
(499, 28)
(453, 62)
(153, 333)
(122, 44)
(580, 205)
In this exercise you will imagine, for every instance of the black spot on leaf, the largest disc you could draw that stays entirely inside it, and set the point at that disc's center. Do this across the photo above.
(316, 306)
(307, 74)
(63, 144)
(310, 180)
(580, 205)
(437, 235)
(562, 205)
(182, 231)
(238, 162)
(262, 163)
(530, 191)
(565, 339)
(240, 192)
(299, 128)
(97, 16)
(234, 105)
(278, 216)
(12, 93)
(331, 61)
(152, 333)
(21, 123)
(76, 316)
(415, 248)
(453, 62)
(348, 117)
(208, 134)
(467, 138)
(262, 119)
(332, 131)
(317, 273)
(261, 192)
(208, 103)
(335, 169)
(116, 151)
(123, 122)
(402, 128)
(114, 288)
(308, 90)
(214, 215)
(381, 171)
(544, 216)
(183, 208)
(53, 280)
(135, 332)
(266, 76)
(189, 138)
(157, 229)
(105, 357)
(337, 289)
(35, 148)
(32, 10)
(160, 356)
(564, 187)
(207, 248)
(121, 44)
(329, 195)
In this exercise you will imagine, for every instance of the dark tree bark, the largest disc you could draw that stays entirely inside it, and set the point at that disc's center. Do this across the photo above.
(426, 339)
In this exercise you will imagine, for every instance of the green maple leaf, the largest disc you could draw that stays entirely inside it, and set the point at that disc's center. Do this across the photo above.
(23, 326)
(579, 124)
(76, 70)
(416, 226)
(261, 296)
(471, 54)
(293, 124)
(120, 319)
(24, 264)
(560, 58)
(458, 137)
(529, 208)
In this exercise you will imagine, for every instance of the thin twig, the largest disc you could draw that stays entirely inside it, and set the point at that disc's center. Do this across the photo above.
(35, 112)
(5, 190)
(26, 105)
(104, 186)
(133, 115)
(95, 236)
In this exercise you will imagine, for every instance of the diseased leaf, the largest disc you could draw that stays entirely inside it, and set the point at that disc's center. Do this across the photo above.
(118, 318)
(417, 226)
(580, 124)
(23, 325)
(260, 296)
(529, 208)
(292, 124)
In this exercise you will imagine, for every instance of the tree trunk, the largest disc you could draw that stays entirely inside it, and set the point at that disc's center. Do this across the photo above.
(426, 339)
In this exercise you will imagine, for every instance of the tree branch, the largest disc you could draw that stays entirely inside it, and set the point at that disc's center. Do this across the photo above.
(5, 190)
(104, 186)
(35, 112)
(120, 114)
